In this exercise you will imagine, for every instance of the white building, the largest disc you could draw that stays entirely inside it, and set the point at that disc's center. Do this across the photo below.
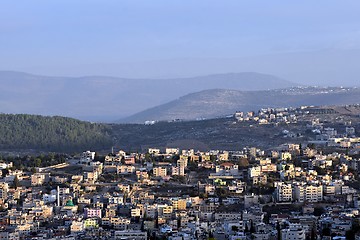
(49, 198)
(116, 200)
(136, 212)
(284, 192)
(294, 232)
(159, 172)
(227, 168)
(179, 170)
(38, 179)
(170, 151)
(188, 152)
(92, 212)
(254, 171)
(77, 226)
(88, 155)
(130, 234)
(308, 193)
(154, 151)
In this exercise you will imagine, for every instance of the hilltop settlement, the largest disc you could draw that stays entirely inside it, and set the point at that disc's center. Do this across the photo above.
(304, 189)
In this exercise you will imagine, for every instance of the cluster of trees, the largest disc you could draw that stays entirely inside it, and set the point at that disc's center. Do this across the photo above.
(60, 134)
(29, 163)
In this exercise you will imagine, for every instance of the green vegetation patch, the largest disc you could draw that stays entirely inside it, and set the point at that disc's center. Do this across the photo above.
(23, 131)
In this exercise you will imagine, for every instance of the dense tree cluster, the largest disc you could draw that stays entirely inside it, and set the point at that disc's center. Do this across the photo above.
(29, 163)
(23, 131)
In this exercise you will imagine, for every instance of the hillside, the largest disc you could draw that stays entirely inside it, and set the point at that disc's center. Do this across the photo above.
(101, 98)
(222, 133)
(219, 102)
(31, 133)
(27, 132)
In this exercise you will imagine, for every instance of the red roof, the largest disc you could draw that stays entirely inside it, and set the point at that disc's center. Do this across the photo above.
(227, 164)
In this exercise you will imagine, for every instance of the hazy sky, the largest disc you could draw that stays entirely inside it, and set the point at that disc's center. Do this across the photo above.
(309, 41)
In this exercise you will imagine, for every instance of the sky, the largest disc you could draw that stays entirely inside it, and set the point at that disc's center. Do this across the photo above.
(311, 42)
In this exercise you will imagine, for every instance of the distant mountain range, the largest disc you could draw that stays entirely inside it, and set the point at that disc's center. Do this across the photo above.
(100, 98)
(219, 102)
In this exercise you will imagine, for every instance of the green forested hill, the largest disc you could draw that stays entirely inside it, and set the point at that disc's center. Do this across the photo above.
(23, 131)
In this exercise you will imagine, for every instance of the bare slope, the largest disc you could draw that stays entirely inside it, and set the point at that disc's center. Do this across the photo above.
(219, 102)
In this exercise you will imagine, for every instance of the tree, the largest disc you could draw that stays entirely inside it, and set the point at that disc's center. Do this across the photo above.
(350, 235)
(319, 170)
(246, 230)
(278, 230)
(37, 162)
(213, 158)
(311, 145)
(243, 162)
(252, 228)
(16, 182)
(234, 228)
(21, 131)
(5, 172)
(318, 211)
(326, 232)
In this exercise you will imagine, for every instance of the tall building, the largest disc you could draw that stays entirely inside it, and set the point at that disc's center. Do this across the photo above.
(308, 193)
(284, 192)
(159, 172)
(179, 170)
(4, 188)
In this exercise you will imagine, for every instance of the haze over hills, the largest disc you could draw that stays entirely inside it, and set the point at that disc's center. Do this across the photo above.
(219, 102)
(101, 98)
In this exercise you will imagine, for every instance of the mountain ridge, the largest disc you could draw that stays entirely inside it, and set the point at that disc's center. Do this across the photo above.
(111, 97)
(221, 102)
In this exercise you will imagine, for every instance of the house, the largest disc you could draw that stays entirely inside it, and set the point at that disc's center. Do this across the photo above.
(309, 193)
(160, 171)
(172, 151)
(293, 232)
(91, 223)
(92, 212)
(38, 179)
(154, 151)
(130, 234)
(77, 226)
(283, 192)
